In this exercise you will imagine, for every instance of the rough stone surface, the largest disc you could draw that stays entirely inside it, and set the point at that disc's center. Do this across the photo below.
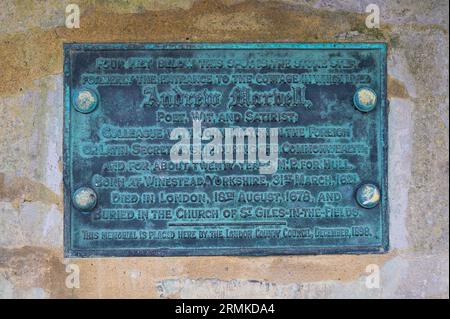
(31, 259)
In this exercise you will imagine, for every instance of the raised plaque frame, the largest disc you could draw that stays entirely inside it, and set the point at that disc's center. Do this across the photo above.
(382, 140)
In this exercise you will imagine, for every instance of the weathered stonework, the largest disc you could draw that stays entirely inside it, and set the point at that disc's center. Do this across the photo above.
(31, 252)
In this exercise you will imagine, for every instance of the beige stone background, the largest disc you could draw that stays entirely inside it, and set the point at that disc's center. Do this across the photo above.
(31, 110)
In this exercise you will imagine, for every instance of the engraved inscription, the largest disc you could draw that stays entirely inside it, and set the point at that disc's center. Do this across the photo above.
(233, 150)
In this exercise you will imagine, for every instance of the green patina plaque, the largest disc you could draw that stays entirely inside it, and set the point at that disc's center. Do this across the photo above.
(225, 149)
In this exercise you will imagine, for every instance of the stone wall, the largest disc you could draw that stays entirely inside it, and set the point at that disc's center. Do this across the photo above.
(31, 109)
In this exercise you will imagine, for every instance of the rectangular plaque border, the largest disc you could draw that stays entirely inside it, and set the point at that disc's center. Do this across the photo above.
(69, 252)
